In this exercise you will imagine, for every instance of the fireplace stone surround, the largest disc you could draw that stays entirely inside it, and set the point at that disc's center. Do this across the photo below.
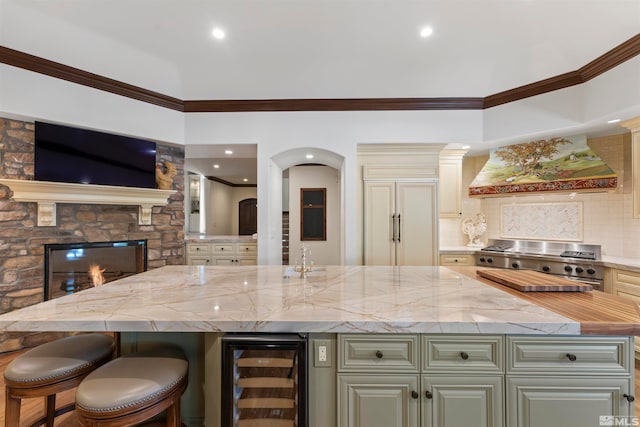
(22, 241)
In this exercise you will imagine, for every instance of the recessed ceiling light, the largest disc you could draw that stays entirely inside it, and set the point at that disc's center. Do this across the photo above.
(426, 32)
(309, 156)
(245, 179)
(228, 152)
(614, 121)
(216, 166)
(218, 33)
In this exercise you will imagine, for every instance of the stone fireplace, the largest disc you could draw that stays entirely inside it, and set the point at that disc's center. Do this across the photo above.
(22, 241)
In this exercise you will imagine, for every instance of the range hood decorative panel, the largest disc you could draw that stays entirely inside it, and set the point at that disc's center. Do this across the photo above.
(47, 194)
(556, 164)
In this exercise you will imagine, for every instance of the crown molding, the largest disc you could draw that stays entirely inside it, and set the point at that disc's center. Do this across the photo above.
(616, 56)
(85, 78)
(336, 104)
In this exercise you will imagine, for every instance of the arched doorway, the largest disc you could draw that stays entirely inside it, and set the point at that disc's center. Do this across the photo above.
(277, 202)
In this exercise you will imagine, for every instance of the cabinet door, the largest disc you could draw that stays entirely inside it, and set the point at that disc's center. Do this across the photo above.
(451, 401)
(198, 260)
(565, 401)
(378, 400)
(379, 205)
(417, 223)
(224, 261)
(450, 188)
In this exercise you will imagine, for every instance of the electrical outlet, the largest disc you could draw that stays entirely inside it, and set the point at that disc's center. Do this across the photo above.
(322, 353)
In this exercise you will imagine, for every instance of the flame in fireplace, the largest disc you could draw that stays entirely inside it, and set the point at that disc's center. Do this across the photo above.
(95, 274)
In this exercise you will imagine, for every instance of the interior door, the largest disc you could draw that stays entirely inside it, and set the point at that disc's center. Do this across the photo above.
(247, 217)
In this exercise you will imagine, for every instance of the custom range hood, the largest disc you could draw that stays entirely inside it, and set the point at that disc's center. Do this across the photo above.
(555, 164)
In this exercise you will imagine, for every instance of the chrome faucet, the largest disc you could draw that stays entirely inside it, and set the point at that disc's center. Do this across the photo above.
(303, 269)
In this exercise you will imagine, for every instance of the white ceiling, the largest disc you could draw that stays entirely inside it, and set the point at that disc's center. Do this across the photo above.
(291, 49)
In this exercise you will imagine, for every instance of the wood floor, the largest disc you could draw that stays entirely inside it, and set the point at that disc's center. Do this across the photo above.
(32, 409)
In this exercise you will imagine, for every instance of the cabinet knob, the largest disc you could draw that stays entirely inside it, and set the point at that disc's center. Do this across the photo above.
(415, 394)
(629, 397)
(197, 249)
(464, 355)
(428, 394)
(571, 357)
(379, 354)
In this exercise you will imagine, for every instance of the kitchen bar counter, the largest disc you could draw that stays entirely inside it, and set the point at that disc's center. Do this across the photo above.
(333, 299)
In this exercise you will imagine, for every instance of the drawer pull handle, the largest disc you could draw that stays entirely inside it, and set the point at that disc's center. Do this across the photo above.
(428, 394)
(629, 397)
(464, 355)
(415, 394)
(379, 354)
(571, 357)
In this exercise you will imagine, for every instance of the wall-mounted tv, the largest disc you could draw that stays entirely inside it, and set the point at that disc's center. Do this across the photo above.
(82, 156)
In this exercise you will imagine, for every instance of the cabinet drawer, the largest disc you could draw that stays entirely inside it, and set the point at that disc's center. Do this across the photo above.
(460, 353)
(457, 260)
(570, 355)
(197, 249)
(246, 249)
(358, 352)
(223, 249)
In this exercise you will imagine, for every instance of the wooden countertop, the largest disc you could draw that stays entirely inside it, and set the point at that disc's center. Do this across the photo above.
(598, 313)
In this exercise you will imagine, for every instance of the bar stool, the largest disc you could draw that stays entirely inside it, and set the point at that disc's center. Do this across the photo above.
(52, 368)
(134, 388)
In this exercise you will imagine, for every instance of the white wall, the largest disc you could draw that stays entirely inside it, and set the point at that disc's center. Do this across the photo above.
(30, 96)
(322, 252)
(336, 132)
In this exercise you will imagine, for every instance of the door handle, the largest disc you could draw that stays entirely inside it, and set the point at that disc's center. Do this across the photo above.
(399, 228)
(393, 226)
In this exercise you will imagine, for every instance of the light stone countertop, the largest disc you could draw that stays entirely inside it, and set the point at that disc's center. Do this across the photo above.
(335, 299)
(209, 238)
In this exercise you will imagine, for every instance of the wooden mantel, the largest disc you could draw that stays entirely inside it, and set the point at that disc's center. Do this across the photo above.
(47, 194)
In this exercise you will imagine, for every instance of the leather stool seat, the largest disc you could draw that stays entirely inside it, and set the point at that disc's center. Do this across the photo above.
(133, 388)
(51, 368)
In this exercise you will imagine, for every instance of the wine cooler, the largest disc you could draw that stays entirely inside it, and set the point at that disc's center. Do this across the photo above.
(264, 380)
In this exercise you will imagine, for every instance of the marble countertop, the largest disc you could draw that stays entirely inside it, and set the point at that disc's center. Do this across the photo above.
(209, 238)
(335, 299)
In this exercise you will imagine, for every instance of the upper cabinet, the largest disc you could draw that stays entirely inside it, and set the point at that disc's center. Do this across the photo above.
(450, 174)
(634, 126)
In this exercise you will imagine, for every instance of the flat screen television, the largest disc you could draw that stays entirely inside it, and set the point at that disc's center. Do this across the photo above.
(82, 156)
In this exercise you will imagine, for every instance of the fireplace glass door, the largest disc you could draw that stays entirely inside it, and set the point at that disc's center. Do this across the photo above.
(73, 267)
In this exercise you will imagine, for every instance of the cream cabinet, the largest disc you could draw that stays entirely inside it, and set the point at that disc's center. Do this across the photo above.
(400, 224)
(570, 382)
(452, 380)
(221, 253)
(457, 259)
(420, 380)
(625, 284)
(450, 174)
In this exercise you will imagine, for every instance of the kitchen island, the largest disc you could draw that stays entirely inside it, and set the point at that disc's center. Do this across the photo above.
(511, 341)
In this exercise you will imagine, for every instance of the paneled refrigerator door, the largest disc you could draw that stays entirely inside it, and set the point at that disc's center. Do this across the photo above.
(264, 380)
